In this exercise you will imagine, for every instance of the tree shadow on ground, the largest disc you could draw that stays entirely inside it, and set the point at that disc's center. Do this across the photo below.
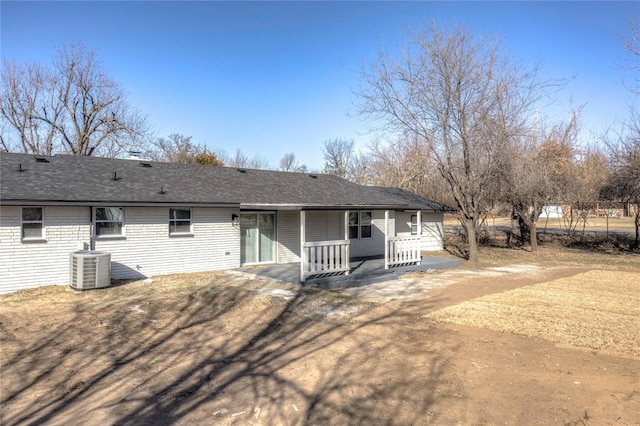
(222, 354)
(455, 243)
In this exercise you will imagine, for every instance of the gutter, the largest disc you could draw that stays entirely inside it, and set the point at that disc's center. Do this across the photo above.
(115, 203)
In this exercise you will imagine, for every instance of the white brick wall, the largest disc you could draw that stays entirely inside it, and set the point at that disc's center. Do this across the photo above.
(146, 249)
(33, 264)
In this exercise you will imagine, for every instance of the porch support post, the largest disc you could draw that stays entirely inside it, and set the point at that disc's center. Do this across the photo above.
(419, 219)
(303, 255)
(346, 238)
(386, 239)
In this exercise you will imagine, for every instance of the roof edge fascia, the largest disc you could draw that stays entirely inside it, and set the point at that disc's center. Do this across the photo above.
(113, 203)
(297, 207)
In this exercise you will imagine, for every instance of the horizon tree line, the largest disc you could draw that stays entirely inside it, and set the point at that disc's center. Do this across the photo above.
(457, 120)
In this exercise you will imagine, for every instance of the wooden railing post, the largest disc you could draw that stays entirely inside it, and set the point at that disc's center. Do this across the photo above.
(303, 257)
(386, 239)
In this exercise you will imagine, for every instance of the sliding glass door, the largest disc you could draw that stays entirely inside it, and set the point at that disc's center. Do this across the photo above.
(257, 238)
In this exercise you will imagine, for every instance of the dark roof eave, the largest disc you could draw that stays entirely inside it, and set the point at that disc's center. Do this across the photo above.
(297, 207)
(94, 203)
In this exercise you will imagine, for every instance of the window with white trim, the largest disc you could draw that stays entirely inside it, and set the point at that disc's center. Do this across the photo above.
(32, 223)
(414, 224)
(360, 225)
(109, 221)
(179, 221)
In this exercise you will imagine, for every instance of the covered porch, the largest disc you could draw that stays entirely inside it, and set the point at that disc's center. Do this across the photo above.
(361, 272)
(331, 244)
(331, 257)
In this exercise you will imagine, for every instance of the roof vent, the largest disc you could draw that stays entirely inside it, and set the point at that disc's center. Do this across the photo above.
(20, 169)
(241, 170)
(41, 160)
(143, 164)
(115, 176)
(313, 176)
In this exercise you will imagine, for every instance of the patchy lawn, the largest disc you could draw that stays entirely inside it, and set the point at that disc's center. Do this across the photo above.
(594, 309)
(229, 348)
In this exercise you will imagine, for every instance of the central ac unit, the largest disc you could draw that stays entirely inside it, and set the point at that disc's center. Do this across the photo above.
(89, 269)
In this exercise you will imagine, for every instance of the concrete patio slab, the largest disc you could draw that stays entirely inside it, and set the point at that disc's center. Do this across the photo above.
(363, 272)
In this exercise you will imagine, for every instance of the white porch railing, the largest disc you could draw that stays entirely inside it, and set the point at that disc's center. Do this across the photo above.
(403, 250)
(324, 257)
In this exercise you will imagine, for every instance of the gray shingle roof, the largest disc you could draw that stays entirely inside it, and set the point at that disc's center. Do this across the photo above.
(93, 180)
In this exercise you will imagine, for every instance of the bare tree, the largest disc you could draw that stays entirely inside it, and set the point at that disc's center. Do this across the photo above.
(401, 162)
(632, 63)
(338, 155)
(25, 92)
(341, 159)
(583, 193)
(624, 153)
(463, 99)
(404, 162)
(623, 142)
(536, 170)
(241, 160)
(288, 163)
(71, 106)
(177, 148)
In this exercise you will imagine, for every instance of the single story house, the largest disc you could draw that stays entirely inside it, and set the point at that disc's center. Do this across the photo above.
(161, 218)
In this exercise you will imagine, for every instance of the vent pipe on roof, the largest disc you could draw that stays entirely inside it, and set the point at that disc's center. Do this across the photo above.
(162, 191)
(20, 169)
(115, 176)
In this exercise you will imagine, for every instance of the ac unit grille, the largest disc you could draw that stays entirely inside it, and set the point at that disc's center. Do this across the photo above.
(90, 269)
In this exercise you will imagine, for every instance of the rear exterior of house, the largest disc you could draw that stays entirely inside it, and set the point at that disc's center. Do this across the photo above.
(364, 232)
(157, 218)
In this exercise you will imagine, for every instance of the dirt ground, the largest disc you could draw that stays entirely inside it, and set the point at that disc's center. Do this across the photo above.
(230, 348)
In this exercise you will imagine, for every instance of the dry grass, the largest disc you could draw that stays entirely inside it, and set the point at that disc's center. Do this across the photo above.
(595, 309)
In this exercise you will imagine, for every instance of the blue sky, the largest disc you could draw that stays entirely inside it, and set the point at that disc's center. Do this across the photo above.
(270, 78)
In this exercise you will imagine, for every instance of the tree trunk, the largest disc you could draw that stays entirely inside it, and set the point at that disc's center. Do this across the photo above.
(533, 236)
(470, 228)
(636, 244)
(524, 230)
